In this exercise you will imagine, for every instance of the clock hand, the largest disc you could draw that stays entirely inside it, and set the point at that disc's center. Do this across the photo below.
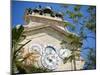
(62, 53)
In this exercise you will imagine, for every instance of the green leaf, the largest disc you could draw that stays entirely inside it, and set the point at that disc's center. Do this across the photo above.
(16, 33)
(77, 8)
(70, 25)
(79, 15)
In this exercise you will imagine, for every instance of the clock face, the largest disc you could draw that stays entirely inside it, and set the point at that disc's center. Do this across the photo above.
(50, 58)
(35, 48)
(64, 53)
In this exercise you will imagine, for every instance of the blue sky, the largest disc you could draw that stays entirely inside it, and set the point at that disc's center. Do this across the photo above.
(18, 8)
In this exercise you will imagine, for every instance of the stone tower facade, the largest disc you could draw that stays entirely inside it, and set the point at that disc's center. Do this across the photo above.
(45, 28)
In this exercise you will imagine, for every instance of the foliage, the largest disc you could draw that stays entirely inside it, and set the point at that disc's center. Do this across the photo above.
(24, 69)
(75, 14)
(16, 36)
(91, 22)
(17, 66)
(77, 8)
(85, 23)
(69, 25)
(17, 33)
(75, 43)
(91, 64)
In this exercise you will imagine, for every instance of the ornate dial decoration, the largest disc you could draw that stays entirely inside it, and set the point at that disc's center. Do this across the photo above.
(36, 47)
(50, 58)
(37, 50)
(64, 53)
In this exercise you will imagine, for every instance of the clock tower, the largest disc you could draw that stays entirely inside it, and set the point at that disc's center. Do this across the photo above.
(45, 28)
